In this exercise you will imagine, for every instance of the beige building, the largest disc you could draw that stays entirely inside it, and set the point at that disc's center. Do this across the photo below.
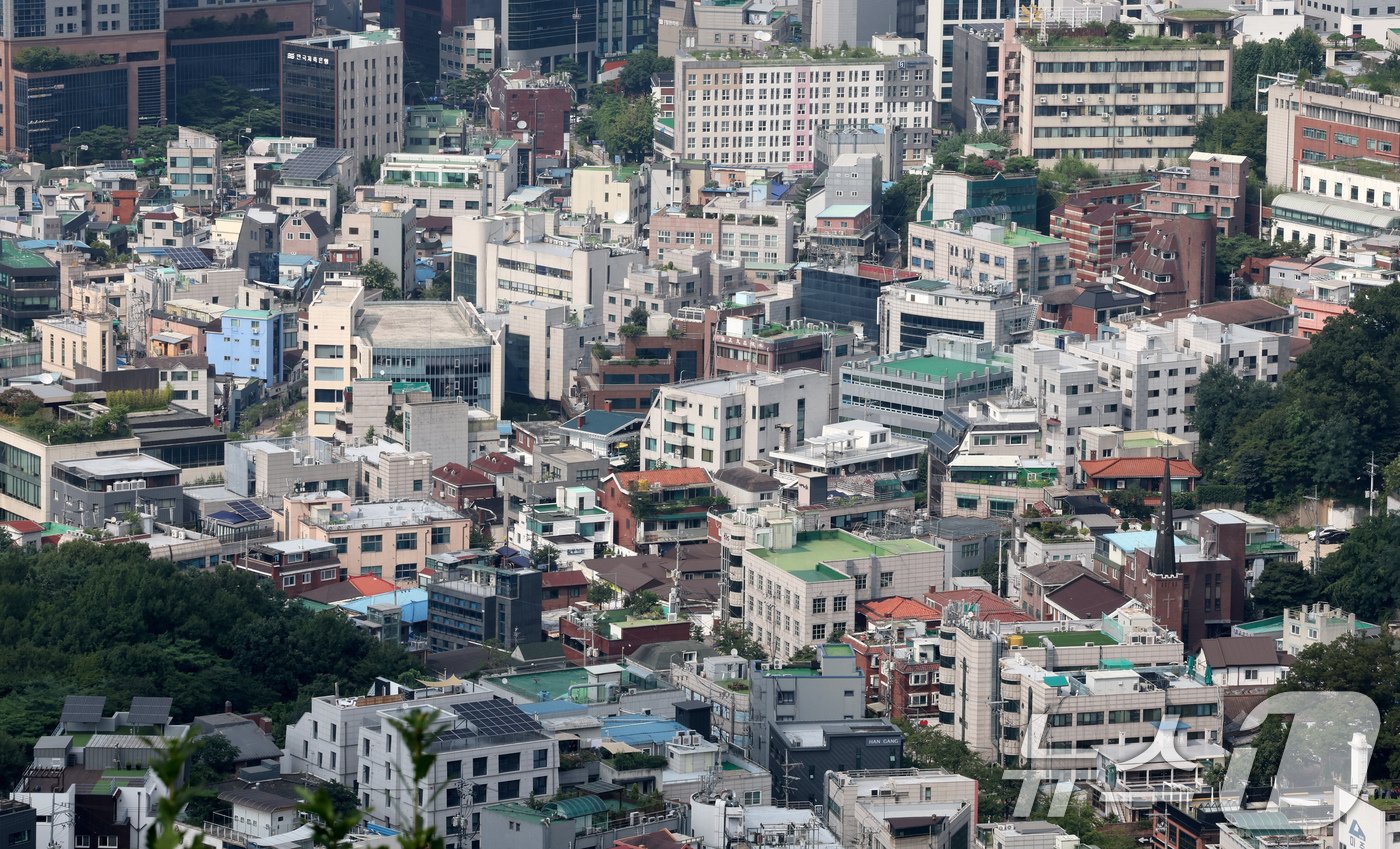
(192, 169)
(745, 26)
(25, 465)
(390, 475)
(476, 46)
(391, 540)
(67, 342)
(357, 79)
(1121, 108)
(802, 588)
(914, 312)
(617, 194)
(985, 253)
(383, 229)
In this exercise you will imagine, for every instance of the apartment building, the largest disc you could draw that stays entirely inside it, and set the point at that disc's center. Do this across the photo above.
(390, 540)
(1121, 112)
(722, 682)
(747, 27)
(270, 468)
(248, 344)
(1098, 235)
(659, 507)
(193, 171)
(618, 194)
(473, 47)
(474, 182)
(913, 311)
(826, 690)
(1253, 354)
(885, 806)
(506, 258)
(343, 90)
(383, 228)
(472, 602)
(1339, 203)
(1157, 379)
(522, 104)
(1173, 267)
(720, 423)
(573, 524)
(995, 485)
(91, 491)
(802, 588)
(986, 253)
(445, 346)
(294, 566)
(1212, 183)
(950, 191)
(751, 228)
(792, 93)
(1318, 121)
(69, 342)
(1066, 388)
(910, 392)
(973, 652)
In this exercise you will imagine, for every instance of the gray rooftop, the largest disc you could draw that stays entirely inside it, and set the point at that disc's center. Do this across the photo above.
(420, 325)
(120, 466)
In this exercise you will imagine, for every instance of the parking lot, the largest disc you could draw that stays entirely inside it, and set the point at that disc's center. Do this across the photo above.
(1305, 547)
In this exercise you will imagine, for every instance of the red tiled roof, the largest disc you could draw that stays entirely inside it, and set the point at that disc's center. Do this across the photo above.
(23, 526)
(1136, 467)
(495, 463)
(663, 477)
(990, 606)
(566, 578)
(898, 608)
(371, 585)
(456, 473)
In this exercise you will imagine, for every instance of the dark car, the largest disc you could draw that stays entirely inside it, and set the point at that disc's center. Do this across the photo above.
(1330, 536)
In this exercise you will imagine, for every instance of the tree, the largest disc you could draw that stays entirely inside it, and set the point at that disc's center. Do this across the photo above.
(441, 287)
(1240, 132)
(624, 125)
(804, 655)
(1363, 575)
(601, 593)
(1118, 32)
(731, 638)
(901, 203)
(468, 89)
(213, 760)
(1232, 251)
(1131, 503)
(545, 555)
(643, 605)
(925, 747)
(635, 77)
(1282, 585)
(377, 275)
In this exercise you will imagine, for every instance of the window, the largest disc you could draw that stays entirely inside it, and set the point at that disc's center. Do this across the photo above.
(106, 841)
(1121, 716)
(818, 605)
(508, 763)
(340, 543)
(753, 797)
(541, 758)
(819, 632)
(918, 679)
(442, 536)
(1060, 720)
(507, 790)
(862, 581)
(289, 580)
(1251, 675)
(372, 542)
(406, 542)
(886, 579)
(838, 604)
(1090, 718)
(478, 766)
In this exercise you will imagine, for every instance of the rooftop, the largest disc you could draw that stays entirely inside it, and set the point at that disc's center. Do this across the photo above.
(1062, 639)
(378, 514)
(1362, 167)
(932, 368)
(122, 465)
(810, 554)
(419, 325)
(1093, 43)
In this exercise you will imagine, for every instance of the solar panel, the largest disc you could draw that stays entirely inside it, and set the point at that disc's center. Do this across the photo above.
(496, 716)
(82, 709)
(188, 258)
(248, 511)
(149, 710)
(312, 163)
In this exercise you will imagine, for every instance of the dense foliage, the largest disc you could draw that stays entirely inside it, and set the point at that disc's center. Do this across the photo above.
(110, 621)
(1320, 423)
(1301, 53)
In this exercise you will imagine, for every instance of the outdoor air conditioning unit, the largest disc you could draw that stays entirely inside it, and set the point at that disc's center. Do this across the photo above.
(1079, 100)
(1064, 116)
(1064, 97)
(1042, 101)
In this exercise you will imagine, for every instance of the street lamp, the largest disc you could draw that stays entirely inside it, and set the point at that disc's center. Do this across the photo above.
(69, 138)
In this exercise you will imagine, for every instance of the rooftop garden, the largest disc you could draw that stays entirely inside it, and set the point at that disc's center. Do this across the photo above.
(257, 23)
(1052, 532)
(22, 410)
(1117, 35)
(39, 59)
(627, 761)
(779, 54)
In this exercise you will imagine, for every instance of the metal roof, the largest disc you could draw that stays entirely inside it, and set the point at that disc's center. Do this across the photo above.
(312, 163)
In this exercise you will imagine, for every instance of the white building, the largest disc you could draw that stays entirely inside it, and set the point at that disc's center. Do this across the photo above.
(984, 254)
(383, 229)
(913, 311)
(715, 424)
(448, 184)
(193, 170)
(356, 77)
(855, 798)
(573, 524)
(476, 46)
(1156, 378)
(791, 93)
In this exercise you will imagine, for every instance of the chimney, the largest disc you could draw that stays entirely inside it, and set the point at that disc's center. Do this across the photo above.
(607, 405)
(1360, 760)
(1164, 560)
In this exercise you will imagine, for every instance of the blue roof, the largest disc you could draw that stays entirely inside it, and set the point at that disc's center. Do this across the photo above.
(1133, 540)
(557, 705)
(414, 603)
(601, 422)
(44, 244)
(640, 730)
(294, 259)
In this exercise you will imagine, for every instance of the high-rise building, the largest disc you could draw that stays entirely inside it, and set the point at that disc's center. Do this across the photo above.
(344, 90)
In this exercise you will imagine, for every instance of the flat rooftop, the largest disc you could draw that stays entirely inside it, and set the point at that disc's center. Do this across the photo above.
(1362, 167)
(122, 465)
(427, 325)
(933, 368)
(726, 386)
(811, 552)
(383, 514)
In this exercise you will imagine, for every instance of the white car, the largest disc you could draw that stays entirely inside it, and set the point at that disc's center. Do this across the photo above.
(1326, 532)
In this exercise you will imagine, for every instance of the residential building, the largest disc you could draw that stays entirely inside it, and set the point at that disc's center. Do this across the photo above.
(1156, 378)
(508, 258)
(475, 602)
(999, 485)
(193, 167)
(17, 821)
(892, 88)
(1144, 473)
(909, 392)
(473, 182)
(89, 492)
(1142, 118)
(901, 808)
(1317, 624)
(473, 47)
(461, 488)
(445, 346)
(313, 180)
(383, 229)
(525, 105)
(67, 343)
(825, 690)
(853, 455)
(361, 532)
(913, 312)
(801, 588)
(521, 486)
(898, 661)
(573, 524)
(722, 682)
(1031, 834)
(343, 90)
(1236, 662)
(1173, 267)
(847, 294)
(546, 343)
(29, 458)
(827, 747)
(588, 824)
(306, 234)
(30, 281)
(985, 254)
(741, 346)
(248, 344)
(748, 26)
(661, 506)
(1099, 236)
(295, 566)
(591, 636)
(749, 228)
(1316, 121)
(271, 468)
(1212, 183)
(600, 432)
(950, 191)
(1088, 308)
(617, 194)
(719, 423)
(391, 473)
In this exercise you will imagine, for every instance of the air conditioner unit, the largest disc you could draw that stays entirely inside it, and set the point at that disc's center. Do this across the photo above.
(1135, 119)
(1101, 98)
(1042, 101)
(1135, 97)
(1064, 116)
(1064, 97)
(1079, 100)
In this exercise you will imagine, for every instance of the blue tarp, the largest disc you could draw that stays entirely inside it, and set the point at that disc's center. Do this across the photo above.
(413, 601)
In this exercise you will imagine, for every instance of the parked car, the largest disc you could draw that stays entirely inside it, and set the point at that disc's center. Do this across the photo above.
(1313, 534)
(1330, 536)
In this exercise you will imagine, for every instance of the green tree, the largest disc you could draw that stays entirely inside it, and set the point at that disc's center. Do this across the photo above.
(732, 638)
(441, 287)
(601, 593)
(925, 747)
(1131, 503)
(377, 275)
(1363, 575)
(1232, 251)
(624, 125)
(213, 760)
(1118, 32)
(1282, 585)
(481, 538)
(1239, 132)
(901, 203)
(635, 77)
(466, 90)
(545, 555)
(804, 655)
(644, 604)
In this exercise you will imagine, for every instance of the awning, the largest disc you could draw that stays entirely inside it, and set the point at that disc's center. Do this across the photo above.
(170, 338)
(878, 707)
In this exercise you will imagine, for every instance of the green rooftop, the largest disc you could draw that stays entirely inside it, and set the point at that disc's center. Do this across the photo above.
(1269, 547)
(556, 683)
(1362, 167)
(1387, 805)
(933, 368)
(15, 257)
(809, 556)
(1097, 42)
(1017, 238)
(1273, 623)
(1068, 639)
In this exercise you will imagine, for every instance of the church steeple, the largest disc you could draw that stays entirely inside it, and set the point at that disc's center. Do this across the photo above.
(1164, 559)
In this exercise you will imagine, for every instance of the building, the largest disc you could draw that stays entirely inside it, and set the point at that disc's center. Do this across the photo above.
(344, 91)
(825, 690)
(445, 346)
(891, 87)
(67, 343)
(899, 662)
(985, 254)
(1099, 234)
(384, 229)
(802, 588)
(714, 424)
(87, 493)
(847, 294)
(901, 808)
(750, 227)
(248, 344)
(193, 170)
(313, 181)
(1212, 183)
(1141, 119)
(661, 506)
(573, 524)
(392, 540)
(1173, 267)
(476, 603)
(951, 191)
(1318, 121)
(530, 107)
(295, 566)
(820, 748)
(1318, 624)
(748, 26)
(28, 282)
(473, 47)
(853, 455)
(473, 181)
(996, 485)
(1088, 309)
(28, 460)
(1144, 473)
(909, 392)
(271, 468)
(913, 312)
(17, 821)
(1157, 379)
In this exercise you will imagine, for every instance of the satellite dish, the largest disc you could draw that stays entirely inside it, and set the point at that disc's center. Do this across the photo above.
(619, 216)
(763, 36)
(46, 379)
(521, 124)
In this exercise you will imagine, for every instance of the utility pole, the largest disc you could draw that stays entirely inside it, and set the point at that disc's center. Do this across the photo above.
(1317, 527)
(1371, 486)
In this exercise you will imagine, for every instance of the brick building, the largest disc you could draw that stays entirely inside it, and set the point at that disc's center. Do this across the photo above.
(1210, 183)
(673, 503)
(1174, 266)
(1098, 234)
